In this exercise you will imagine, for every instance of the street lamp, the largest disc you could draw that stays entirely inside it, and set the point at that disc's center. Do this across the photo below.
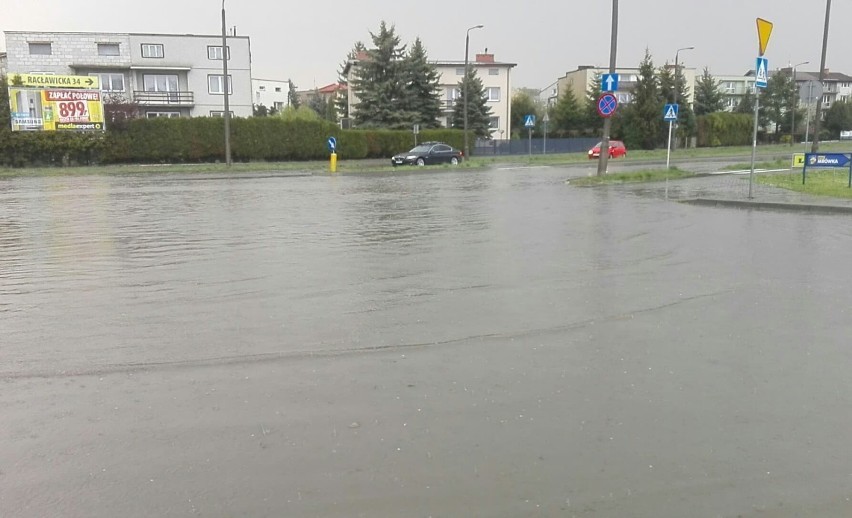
(796, 104)
(676, 86)
(465, 81)
(225, 84)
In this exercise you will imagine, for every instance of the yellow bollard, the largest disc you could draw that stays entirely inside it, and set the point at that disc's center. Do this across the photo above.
(332, 166)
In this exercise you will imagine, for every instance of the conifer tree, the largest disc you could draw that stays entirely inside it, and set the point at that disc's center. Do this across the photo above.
(478, 111)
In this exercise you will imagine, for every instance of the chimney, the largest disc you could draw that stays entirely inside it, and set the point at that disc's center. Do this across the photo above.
(485, 58)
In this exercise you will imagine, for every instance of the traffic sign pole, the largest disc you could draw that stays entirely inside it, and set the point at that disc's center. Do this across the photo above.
(754, 142)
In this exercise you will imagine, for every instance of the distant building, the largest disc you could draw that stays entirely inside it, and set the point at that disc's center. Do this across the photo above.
(271, 93)
(2, 63)
(496, 79)
(168, 75)
(581, 80)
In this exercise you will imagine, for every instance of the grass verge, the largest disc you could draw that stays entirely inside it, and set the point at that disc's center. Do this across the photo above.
(645, 175)
(777, 164)
(833, 183)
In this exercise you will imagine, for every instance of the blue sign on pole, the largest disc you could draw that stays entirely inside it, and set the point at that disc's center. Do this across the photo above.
(332, 144)
(609, 82)
(529, 121)
(607, 103)
(761, 73)
(670, 112)
(827, 159)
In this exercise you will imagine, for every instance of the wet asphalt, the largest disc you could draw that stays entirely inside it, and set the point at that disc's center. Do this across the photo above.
(459, 343)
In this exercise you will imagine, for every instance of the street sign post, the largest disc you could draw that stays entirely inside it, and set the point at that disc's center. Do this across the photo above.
(609, 82)
(761, 78)
(545, 120)
(607, 104)
(332, 148)
(670, 115)
(529, 123)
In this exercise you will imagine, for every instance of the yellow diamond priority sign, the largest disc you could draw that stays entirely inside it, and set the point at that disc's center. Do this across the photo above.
(764, 30)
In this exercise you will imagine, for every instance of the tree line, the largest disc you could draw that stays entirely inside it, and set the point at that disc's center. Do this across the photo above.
(640, 123)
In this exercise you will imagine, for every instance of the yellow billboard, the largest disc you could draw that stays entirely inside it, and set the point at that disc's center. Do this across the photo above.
(54, 108)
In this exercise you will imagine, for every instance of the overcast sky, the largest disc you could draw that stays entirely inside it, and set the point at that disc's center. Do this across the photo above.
(306, 41)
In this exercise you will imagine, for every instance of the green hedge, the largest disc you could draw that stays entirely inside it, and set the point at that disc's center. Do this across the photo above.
(201, 140)
(725, 129)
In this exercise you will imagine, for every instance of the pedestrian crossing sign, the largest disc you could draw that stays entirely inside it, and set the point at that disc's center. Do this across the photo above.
(529, 121)
(670, 113)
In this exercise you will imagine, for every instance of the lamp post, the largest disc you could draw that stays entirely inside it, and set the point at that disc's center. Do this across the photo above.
(676, 87)
(464, 80)
(796, 105)
(225, 85)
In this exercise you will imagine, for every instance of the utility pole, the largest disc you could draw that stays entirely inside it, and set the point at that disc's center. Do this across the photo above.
(818, 114)
(225, 85)
(613, 48)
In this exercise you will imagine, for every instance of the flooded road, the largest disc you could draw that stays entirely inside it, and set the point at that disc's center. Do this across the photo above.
(493, 343)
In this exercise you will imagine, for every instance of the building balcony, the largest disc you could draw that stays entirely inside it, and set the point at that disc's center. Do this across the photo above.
(164, 98)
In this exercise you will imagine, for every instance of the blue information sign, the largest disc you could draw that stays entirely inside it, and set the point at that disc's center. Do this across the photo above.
(827, 161)
(609, 82)
(332, 144)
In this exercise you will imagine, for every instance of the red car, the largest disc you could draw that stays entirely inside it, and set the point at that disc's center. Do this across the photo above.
(616, 149)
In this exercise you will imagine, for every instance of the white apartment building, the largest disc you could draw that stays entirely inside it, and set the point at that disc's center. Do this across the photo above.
(167, 75)
(271, 93)
(733, 89)
(496, 79)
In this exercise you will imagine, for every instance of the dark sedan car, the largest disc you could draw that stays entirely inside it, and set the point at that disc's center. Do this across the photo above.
(429, 153)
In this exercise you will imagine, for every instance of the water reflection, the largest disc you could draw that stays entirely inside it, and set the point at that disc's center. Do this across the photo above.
(106, 271)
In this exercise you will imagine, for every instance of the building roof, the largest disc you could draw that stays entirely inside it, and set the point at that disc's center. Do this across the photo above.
(128, 34)
(332, 88)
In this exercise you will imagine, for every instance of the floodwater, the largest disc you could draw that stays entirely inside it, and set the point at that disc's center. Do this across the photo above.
(493, 343)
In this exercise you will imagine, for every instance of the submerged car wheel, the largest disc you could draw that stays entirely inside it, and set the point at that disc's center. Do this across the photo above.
(420, 161)
(454, 160)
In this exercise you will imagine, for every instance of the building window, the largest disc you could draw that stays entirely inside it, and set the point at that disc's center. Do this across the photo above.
(108, 49)
(215, 52)
(493, 71)
(165, 115)
(460, 71)
(494, 93)
(160, 83)
(261, 88)
(152, 50)
(111, 82)
(41, 49)
(215, 85)
(220, 113)
(494, 122)
(278, 89)
(826, 99)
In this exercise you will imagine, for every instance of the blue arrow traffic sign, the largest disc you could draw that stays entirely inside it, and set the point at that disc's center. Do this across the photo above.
(670, 112)
(609, 82)
(529, 121)
(607, 103)
(761, 74)
(332, 144)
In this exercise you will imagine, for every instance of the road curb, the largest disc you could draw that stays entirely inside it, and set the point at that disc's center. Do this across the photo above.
(774, 206)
